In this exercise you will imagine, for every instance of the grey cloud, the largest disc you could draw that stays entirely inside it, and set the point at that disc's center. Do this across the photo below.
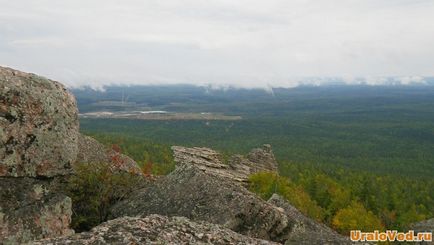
(242, 43)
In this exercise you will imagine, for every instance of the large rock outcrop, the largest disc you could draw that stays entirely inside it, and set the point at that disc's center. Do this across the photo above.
(237, 168)
(199, 196)
(191, 193)
(155, 229)
(38, 145)
(38, 126)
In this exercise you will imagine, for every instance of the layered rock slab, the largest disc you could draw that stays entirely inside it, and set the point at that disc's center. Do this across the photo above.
(38, 126)
(204, 187)
(155, 229)
(236, 168)
(191, 193)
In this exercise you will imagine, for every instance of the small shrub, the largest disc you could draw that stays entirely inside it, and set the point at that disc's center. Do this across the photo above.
(94, 189)
(266, 183)
(147, 169)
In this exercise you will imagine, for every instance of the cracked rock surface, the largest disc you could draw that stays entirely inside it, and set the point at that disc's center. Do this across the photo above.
(191, 192)
(155, 229)
(31, 209)
(38, 145)
(237, 168)
(38, 126)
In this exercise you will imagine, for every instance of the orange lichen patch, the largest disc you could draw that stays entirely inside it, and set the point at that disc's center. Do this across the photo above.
(43, 167)
(3, 170)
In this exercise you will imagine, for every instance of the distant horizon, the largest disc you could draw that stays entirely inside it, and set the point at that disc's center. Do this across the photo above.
(302, 82)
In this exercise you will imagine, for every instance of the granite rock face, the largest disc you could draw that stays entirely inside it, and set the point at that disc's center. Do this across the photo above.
(192, 193)
(38, 126)
(205, 188)
(238, 168)
(262, 159)
(30, 209)
(38, 144)
(155, 229)
(91, 151)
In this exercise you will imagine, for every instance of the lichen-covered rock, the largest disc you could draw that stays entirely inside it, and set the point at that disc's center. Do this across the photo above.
(155, 229)
(91, 151)
(263, 159)
(30, 210)
(38, 144)
(25, 191)
(238, 168)
(305, 230)
(38, 126)
(191, 193)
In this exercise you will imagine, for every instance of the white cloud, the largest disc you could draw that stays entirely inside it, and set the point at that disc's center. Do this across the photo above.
(242, 43)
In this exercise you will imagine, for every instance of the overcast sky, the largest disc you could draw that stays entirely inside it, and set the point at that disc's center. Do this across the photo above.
(243, 42)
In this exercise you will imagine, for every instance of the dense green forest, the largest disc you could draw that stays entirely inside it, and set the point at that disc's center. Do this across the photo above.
(400, 148)
(345, 153)
(378, 129)
(337, 196)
